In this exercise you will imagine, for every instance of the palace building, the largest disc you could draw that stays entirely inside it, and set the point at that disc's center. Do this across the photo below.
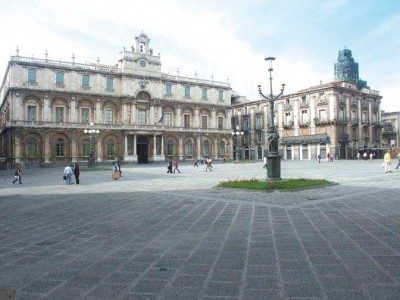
(54, 112)
(341, 118)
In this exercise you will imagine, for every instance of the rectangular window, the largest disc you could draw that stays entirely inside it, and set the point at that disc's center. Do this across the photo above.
(186, 121)
(353, 116)
(203, 93)
(110, 149)
(187, 91)
(246, 124)
(304, 149)
(110, 84)
(168, 119)
(258, 122)
(364, 116)
(31, 75)
(288, 119)
(59, 78)
(85, 80)
(221, 95)
(142, 116)
(168, 90)
(59, 114)
(304, 117)
(321, 115)
(31, 113)
(85, 115)
(109, 116)
(304, 100)
(170, 149)
(220, 122)
(204, 122)
(188, 149)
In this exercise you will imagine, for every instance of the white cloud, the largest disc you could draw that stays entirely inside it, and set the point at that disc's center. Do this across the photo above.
(220, 38)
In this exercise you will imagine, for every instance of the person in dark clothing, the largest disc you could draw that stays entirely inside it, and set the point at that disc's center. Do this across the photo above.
(195, 163)
(76, 173)
(169, 167)
(17, 174)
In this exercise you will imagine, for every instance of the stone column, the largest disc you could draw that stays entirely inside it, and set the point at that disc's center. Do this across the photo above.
(133, 114)
(196, 118)
(47, 148)
(74, 148)
(162, 146)
(126, 147)
(99, 149)
(154, 146)
(73, 111)
(213, 123)
(97, 117)
(198, 147)
(18, 146)
(134, 145)
(180, 150)
(152, 115)
(179, 117)
(46, 109)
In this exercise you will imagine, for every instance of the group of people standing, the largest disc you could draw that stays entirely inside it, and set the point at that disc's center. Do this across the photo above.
(70, 170)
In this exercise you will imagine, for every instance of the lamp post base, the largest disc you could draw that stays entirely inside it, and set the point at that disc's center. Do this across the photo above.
(274, 167)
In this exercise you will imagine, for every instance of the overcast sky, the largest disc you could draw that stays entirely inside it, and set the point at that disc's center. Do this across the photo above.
(224, 39)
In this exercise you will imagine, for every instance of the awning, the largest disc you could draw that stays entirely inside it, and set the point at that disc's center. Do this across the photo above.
(306, 139)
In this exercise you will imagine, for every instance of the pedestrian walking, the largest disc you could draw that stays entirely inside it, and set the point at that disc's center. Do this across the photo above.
(209, 164)
(371, 157)
(398, 164)
(119, 168)
(365, 155)
(319, 158)
(195, 163)
(68, 175)
(76, 173)
(358, 155)
(175, 165)
(388, 162)
(17, 174)
(115, 171)
(265, 163)
(169, 167)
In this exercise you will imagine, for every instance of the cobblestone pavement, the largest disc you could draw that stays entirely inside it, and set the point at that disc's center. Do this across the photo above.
(152, 235)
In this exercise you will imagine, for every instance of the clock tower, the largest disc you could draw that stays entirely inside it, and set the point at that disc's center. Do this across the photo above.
(141, 58)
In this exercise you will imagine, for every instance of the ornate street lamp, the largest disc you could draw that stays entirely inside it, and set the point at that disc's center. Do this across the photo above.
(274, 160)
(235, 135)
(93, 133)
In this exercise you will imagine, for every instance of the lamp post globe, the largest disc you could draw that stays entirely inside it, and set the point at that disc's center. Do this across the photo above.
(236, 134)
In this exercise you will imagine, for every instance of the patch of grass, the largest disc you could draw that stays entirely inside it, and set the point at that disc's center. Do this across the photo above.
(285, 184)
(100, 168)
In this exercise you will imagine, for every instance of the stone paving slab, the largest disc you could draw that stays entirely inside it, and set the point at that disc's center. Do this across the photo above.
(152, 235)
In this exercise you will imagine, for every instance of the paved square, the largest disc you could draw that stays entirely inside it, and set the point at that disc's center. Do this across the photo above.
(153, 235)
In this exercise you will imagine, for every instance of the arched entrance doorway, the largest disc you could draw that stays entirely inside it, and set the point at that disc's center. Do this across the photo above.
(142, 146)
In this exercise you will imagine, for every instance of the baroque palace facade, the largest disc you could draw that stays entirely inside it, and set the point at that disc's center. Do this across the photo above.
(341, 118)
(133, 111)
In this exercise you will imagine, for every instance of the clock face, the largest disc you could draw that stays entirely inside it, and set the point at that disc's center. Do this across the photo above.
(142, 63)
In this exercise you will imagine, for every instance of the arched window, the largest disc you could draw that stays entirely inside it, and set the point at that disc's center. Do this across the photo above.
(222, 148)
(32, 147)
(188, 148)
(60, 145)
(206, 148)
(110, 147)
(86, 147)
(170, 148)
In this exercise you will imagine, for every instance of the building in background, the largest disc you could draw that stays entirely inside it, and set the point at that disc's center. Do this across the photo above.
(340, 118)
(391, 129)
(131, 111)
